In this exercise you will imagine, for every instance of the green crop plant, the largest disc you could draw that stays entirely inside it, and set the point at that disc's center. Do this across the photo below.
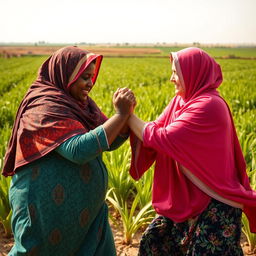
(149, 80)
(5, 210)
(133, 217)
(120, 181)
(251, 237)
(144, 187)
(251, 170)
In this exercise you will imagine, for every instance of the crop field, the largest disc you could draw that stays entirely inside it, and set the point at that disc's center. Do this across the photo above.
(126, 50)
(149, 79)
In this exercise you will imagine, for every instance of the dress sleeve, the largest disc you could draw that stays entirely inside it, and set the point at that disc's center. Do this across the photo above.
(142, 157)
(197, 133)
(120, 139)
(84, 147)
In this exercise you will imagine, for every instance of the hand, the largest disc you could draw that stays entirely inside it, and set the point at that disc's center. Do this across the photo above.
(124, 101)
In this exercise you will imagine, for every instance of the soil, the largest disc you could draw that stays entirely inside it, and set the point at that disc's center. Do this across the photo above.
(17, 51)
(5, 243)
(122, 249)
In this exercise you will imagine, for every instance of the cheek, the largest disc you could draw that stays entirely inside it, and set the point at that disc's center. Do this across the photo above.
(73, 90)
(180, 85)
(183, 88)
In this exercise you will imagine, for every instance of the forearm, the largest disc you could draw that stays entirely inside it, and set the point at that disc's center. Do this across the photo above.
(114, 125)
(125, 129)
(119, 141)
(83, 148)
(136, 125)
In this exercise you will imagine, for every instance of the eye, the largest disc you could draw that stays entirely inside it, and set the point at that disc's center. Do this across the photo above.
(86, 77)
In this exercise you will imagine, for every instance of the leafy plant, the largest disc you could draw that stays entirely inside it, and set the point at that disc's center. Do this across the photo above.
(132, 217)
(144, 187)
(120, 181)
(149, 79)
(5, 210)
(251, 170)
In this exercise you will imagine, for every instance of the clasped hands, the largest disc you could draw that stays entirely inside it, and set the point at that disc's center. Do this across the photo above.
(124, 101)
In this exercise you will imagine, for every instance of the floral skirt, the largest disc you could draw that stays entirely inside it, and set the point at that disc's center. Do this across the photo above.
(216, 231)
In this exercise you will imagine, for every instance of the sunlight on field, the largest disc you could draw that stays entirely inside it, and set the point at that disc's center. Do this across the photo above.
(149, 79)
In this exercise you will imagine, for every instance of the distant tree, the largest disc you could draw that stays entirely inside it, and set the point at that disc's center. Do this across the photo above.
(196, 44)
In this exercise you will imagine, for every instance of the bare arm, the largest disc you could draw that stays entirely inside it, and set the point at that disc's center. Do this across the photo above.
(136, 125)
(114, 125)
(123, 101)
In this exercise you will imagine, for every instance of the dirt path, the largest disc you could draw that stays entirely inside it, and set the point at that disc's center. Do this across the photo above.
(122, 249)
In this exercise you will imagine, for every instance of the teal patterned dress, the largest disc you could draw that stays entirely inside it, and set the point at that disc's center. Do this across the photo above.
(58, 201)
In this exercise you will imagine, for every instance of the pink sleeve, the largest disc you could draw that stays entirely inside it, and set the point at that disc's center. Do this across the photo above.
(142, 157)
(190, 135)
(162, 139)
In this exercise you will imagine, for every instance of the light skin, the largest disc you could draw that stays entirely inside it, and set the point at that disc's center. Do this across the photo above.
(123, 101)
(179, 88)
(136, 124)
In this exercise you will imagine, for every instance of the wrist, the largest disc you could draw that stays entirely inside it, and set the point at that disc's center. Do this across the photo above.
(123, 115)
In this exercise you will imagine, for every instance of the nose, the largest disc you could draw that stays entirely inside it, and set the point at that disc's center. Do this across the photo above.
(89, 83)
(172, 78)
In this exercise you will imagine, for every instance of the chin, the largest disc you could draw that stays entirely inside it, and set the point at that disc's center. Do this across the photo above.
(180, 94)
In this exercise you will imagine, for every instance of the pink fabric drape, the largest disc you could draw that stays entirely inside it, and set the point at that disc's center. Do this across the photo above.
(198, 133)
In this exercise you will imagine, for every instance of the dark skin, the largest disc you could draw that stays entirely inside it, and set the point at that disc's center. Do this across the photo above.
(123, 101)
(83, 85)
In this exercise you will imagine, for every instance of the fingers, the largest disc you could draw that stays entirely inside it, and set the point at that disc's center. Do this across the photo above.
(127, 92)
(124, 100)
(122, 90)
(116, 93)
(125, 89)
(124, 93)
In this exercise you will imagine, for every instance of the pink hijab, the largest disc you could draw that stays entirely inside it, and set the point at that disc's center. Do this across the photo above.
(194, 146)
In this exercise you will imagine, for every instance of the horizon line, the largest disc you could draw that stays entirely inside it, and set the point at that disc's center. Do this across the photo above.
(169, 44)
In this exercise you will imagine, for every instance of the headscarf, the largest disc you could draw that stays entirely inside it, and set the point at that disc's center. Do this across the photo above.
(48, 114)
(200, 73)
(194, 146)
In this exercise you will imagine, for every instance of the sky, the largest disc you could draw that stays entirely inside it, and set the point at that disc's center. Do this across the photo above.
(128, 21)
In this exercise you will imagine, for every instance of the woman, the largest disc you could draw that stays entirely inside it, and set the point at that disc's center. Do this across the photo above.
(59, 180)
(200, 182)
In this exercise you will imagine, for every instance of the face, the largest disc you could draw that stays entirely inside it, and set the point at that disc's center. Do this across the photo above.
(82, 86)
(179, 89)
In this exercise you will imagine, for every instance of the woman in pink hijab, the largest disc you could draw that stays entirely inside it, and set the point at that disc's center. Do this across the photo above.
(200, 183)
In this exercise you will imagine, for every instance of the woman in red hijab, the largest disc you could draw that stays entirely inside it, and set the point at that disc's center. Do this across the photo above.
(59, 181)
(200, 183)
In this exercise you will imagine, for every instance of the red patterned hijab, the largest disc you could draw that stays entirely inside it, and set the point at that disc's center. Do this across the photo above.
(48, 115)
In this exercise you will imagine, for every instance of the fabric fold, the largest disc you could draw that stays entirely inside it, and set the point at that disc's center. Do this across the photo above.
(198, 133)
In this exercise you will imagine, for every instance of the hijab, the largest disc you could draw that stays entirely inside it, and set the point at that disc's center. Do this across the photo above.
(194, 146)
(48, 114)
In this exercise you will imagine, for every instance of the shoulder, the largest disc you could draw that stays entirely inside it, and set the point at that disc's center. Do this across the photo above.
(213, 106)
(208, 102)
